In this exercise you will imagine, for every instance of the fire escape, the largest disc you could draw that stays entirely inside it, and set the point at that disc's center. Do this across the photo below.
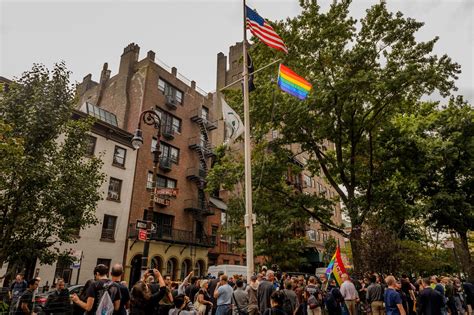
(202, 146)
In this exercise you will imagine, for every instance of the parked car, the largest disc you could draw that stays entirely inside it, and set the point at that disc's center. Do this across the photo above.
(40, 300)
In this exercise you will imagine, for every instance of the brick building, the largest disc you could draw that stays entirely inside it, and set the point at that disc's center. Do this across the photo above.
(229, 70)
(185, 224)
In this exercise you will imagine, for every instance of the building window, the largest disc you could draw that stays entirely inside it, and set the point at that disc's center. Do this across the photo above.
(63, 269)
(165, 182)
(214, 230)
(119, 156)
(169, 152)
(149, 180)
(169, 267)
(311, 235)
(102, 114)
(169, 121)
(205, 113)
(307, 181)
(115, 187)
(237, 262)
(108, 227)
(104, 261)
(153, 144)
(169, 90)
(91, 142)
(225, 261)
(164, 223)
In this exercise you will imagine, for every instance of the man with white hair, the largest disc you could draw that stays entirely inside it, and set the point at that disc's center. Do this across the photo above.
(350, 294)
(265, 290)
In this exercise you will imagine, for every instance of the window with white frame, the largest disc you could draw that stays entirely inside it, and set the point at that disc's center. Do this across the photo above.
(169, 90)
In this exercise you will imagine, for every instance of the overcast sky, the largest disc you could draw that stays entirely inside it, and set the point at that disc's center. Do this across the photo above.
(187, 34)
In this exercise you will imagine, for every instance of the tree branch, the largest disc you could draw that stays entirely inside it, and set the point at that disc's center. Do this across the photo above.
(325, 224)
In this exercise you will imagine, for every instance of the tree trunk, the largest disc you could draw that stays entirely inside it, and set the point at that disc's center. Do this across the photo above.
(465, 256)
(356, 247)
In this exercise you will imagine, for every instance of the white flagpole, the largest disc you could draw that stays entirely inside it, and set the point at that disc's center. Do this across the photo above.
(248, 165)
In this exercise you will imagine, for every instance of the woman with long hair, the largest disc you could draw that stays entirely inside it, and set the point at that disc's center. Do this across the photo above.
(76, 309)
(142, 300)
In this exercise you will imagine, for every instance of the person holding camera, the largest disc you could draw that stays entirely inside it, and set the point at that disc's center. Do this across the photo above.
(182, 306)
(143, 301)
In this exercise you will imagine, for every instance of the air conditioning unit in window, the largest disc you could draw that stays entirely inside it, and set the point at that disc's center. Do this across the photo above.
(113, 195)
(171, 101)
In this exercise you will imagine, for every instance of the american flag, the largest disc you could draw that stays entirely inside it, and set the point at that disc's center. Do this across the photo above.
(261, 29)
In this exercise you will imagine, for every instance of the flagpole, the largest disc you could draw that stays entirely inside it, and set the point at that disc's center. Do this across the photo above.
(248, 166)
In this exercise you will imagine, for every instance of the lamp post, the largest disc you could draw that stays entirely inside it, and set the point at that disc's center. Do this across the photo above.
(151, 118)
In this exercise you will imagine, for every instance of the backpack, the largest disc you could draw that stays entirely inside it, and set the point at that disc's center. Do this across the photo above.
(288, 307)
(313, 300)
(106, 306)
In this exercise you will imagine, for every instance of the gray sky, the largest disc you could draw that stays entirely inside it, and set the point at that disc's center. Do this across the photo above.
(187, 34)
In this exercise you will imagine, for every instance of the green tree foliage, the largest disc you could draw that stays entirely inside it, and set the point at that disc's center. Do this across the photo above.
(442, 142)
(364, 74)
(48, 189)
(279, 234)
(329, 249)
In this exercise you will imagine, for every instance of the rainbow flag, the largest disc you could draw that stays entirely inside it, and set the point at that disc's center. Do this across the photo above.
(336, 267)
(292, 83)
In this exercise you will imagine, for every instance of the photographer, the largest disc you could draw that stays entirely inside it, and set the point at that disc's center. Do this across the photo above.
(143, 300)
(182, 306)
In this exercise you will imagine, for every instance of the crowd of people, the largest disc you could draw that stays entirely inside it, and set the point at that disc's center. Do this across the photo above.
(266, 293)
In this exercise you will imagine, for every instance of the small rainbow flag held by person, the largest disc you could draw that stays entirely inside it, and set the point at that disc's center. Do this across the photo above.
(292, 83)
(336, 267)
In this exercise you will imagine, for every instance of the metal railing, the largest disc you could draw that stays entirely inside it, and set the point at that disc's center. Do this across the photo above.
(166, 163)
(107, 234)
(175, 236)
(199, 143)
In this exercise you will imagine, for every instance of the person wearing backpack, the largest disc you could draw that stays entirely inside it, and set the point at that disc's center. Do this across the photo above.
(314, 297)
(289, 304)
(102, 293)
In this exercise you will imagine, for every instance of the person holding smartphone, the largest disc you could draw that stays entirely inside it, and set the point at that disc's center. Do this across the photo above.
(223, 294)
(143, 301)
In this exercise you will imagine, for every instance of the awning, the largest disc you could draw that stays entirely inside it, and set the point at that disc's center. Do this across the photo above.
(218, 203)
(312, 255)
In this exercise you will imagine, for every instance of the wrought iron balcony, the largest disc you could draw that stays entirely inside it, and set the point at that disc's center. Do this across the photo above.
(206, 119)
(107, 234)
(168, 132)
(171, 101)
(196, 174)
(165, 164)
(198, 206)
(175, 236)
(202, 146)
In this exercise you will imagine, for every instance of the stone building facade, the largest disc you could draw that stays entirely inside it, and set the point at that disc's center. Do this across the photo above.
(184, 232)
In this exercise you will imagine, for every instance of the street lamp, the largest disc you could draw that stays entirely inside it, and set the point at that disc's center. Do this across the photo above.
(151, 118)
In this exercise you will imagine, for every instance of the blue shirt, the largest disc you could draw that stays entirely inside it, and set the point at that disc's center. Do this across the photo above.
(225, 295)
(391, 299)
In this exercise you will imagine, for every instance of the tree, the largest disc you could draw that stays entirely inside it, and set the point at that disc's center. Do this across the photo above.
(279, 234)
(449, 184)
(364, 75)
(329, 249)
(49, 189)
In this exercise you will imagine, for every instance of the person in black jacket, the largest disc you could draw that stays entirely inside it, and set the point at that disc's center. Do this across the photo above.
(59, 301)
(429, 301)
(276, 300)
(264, 292)
(143, 301)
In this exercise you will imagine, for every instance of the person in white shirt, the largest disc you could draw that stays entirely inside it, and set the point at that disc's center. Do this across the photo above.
(350, 294)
